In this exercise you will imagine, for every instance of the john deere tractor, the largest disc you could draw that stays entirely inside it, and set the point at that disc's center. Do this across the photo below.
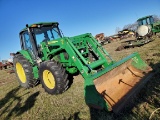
(146, 32)
(48, 56)
(147, 27)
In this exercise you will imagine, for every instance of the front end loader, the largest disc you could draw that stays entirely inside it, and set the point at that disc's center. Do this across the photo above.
(48, 56)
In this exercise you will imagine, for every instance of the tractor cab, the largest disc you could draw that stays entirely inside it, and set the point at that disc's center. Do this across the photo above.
(148, 20)
(34, 34)
(145, 25)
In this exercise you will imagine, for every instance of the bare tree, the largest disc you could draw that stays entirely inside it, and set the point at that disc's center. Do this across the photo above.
(131, 27)
(156, 18)
(128, 27)
(117, 30)
(134, 26)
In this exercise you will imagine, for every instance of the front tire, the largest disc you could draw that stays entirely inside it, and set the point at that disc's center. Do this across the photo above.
(53, 77)
(24, 72)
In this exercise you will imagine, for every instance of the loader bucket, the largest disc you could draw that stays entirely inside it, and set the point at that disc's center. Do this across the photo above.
(119, 84)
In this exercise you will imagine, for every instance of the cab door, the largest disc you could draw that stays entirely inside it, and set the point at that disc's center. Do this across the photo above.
(26, 43)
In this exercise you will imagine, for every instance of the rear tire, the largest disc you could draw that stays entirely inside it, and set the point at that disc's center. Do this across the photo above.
(24, 72)
(53, 77)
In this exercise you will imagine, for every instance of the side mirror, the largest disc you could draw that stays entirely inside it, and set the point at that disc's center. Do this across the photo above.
(27, 25)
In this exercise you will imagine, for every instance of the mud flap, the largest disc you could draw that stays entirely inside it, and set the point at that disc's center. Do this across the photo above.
(119, 84)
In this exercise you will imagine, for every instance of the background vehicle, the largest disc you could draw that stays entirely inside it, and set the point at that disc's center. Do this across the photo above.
(147, 26)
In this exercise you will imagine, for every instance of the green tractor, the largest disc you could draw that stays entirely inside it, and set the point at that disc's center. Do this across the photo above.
(146, 32)
(147, 27)
(48, 56)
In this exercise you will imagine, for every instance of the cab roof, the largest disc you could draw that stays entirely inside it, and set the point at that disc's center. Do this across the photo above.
(39, 23)
(144, 17)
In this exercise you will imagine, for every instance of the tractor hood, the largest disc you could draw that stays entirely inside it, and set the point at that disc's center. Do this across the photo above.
(143, 30)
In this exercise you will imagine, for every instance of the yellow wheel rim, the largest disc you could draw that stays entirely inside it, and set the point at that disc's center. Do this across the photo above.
(49, 79)
(20, 72)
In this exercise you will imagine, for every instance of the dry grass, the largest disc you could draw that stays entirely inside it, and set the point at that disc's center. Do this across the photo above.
(31, 104)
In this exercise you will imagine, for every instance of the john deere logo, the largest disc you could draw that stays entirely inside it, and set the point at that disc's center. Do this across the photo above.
(135, 59)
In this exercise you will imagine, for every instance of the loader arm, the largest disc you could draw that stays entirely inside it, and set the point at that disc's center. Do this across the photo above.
(126, 75)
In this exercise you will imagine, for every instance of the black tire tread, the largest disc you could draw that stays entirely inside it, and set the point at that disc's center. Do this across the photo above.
(60, 76)
(27, 69)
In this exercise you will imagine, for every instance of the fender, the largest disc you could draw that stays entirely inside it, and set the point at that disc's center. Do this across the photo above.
(27, 55)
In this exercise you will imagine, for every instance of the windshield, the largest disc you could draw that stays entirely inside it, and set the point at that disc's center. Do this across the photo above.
(46, 33)
(140, 23)
(146, 21)
(151, 20)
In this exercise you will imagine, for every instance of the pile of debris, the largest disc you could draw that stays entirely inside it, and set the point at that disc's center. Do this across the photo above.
(126, 34)
(102, 39)
(7, 64)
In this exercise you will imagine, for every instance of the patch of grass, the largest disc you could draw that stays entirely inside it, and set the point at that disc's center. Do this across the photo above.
(31, 104)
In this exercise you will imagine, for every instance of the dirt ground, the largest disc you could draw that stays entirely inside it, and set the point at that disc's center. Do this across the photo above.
(6, 77)
(34, 104)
